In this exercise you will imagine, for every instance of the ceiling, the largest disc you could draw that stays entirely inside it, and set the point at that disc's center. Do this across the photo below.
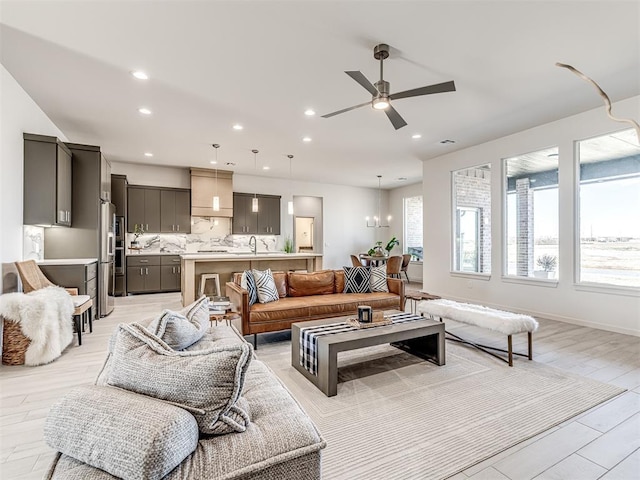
(261, 64)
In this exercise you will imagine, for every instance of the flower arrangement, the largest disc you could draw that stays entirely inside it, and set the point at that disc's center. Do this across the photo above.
(547, 262)
(138, 229)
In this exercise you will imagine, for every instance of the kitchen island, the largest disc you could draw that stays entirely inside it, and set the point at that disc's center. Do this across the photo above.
(193, 265)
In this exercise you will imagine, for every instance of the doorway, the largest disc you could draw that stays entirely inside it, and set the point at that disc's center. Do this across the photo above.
(304, 234)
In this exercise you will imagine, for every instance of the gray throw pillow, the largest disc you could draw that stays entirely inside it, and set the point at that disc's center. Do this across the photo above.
(127, 435)
(183, 328)
(208, 383)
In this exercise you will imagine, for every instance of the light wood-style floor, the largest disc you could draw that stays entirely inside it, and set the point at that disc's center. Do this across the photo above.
(601, 443)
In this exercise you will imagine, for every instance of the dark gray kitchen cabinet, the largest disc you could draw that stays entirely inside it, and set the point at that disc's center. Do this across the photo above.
(170, 273)
(143, 208)
(47, 181)
(265, 222)
(269, 215)
(143, 273)
(175, 211)
(119, 194)
(82, 277)
(245, 221)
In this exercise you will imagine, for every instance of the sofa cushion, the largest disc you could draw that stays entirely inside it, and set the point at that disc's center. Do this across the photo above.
(127, 435)
(357, 279)
(379, 279)
(249, 284)
(265, 285)
(280, 279)
(338, 281)
(208, 382)
(303, 284)
(183, 328)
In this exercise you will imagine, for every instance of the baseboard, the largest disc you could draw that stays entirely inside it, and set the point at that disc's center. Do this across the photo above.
(551, 316)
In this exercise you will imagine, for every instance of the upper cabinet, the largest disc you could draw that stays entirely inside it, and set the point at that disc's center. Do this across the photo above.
(206, 184)
(175, 212)
(158, 210)
(119, 194)
(105, 179)
(47, 181)
(266, 221)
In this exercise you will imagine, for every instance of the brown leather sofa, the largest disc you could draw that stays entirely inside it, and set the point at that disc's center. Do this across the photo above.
(307, 296)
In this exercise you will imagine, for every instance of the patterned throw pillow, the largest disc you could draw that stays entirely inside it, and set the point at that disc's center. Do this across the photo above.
(249, 284)
(357, 280)
(267, 291)
(379, 279)
(207, 383)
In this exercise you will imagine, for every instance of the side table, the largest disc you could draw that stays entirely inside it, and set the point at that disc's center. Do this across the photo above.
(214, 318)
(417, 296)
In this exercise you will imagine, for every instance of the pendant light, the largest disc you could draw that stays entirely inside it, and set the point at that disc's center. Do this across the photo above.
(216, 197)
(290, 202)
(377, 220)
(254, 202)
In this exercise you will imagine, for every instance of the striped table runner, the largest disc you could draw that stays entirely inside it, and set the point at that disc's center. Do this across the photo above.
(309, 337)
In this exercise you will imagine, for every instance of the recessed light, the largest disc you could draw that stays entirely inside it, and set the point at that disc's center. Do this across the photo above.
(213, 162)
(237, 126)
(140, 75)
(416, 136)
(306, 139)
(447, 141)
(144, 111)
(148, 154)
(309, 112)
(265, 167)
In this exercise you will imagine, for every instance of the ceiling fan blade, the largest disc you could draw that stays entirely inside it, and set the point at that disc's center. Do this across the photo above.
(346, 110)
(437, 88)
(362, 80)
(394, 116)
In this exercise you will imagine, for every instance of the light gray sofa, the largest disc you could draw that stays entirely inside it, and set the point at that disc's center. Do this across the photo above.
(280, 442)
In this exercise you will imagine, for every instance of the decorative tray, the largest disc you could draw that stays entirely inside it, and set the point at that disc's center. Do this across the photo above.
(355, 323)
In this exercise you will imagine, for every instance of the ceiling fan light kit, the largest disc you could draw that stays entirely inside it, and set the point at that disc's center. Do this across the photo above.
(381, 97)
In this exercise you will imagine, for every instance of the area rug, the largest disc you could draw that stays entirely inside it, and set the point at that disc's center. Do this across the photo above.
(396, 416)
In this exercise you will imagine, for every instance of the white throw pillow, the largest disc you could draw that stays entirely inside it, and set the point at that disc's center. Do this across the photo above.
(266, 286)
(379, 279)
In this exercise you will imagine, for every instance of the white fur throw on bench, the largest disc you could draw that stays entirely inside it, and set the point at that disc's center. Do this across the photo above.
(45, 317)
(481, 316)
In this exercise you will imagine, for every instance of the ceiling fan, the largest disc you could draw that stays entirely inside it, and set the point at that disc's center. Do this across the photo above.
(381, 98)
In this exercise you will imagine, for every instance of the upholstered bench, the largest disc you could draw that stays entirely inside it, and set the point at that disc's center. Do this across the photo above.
(507, 323)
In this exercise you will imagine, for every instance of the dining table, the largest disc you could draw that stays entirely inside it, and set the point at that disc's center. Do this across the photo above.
(376, 260)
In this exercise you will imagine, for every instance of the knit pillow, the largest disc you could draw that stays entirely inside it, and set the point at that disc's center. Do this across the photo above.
(125, 434)
(379, 279)
(183, 328)
(357, 279)
(208, 383)
(266, 286)
(249, 284)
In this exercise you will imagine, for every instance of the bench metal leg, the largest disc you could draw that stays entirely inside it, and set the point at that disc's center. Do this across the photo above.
(530, 340)
(255, 341)
(77, 321)
(510, 351)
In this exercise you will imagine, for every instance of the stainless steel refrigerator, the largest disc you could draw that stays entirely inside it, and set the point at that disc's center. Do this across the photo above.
(106, 265)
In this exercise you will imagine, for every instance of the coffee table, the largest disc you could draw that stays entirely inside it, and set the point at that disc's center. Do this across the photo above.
(424, 338)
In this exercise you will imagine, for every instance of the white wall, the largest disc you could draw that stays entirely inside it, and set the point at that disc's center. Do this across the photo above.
(566, 302)
(19, 114)
(345, 208)
(396, 206)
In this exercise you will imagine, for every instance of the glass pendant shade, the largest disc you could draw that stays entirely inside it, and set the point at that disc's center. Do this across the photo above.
(254, 204)
(216, 203)
(290, 207)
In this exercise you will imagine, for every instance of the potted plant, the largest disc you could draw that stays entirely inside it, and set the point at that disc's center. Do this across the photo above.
(548, 263)
(137, 231)
(392, 243)
(376, 251)
(288, 245)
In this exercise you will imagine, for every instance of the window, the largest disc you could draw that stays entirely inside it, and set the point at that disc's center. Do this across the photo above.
(413, 227)
(609, 206)
(531, 186)
(471, 189)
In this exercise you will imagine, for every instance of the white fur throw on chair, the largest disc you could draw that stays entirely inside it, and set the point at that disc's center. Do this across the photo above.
(45, 317)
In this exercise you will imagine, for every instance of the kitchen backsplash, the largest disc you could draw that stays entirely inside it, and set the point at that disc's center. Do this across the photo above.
(205, 235)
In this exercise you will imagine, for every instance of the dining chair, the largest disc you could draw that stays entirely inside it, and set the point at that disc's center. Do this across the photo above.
(406, 259)
(33, 279)
(356, 261)
(393, 266)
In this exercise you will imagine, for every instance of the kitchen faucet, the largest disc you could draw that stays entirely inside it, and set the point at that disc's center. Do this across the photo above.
(254, 246)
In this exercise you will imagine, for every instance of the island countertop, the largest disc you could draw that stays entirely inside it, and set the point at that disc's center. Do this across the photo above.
(194, 265)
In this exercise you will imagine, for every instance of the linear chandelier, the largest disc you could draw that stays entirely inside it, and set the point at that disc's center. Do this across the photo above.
(378, 219)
